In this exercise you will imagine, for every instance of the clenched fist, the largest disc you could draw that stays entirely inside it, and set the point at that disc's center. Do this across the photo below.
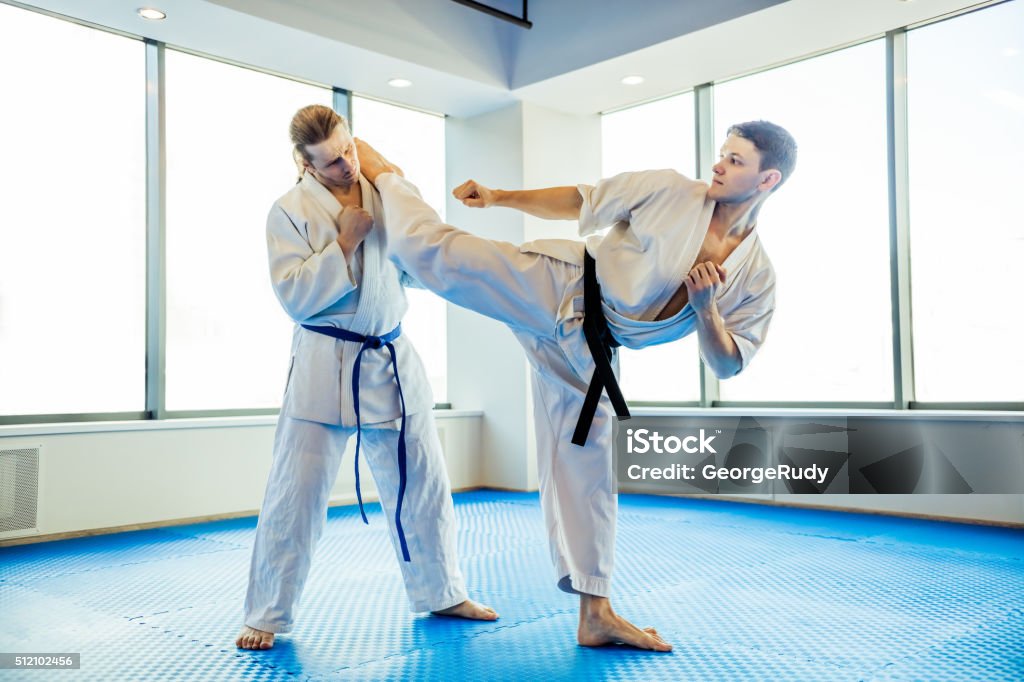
(473, 194)
(354, 224)
(702, 284)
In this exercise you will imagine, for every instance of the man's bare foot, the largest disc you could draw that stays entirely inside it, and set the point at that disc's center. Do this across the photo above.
(469, 609)
(599, 625)
(372, 163)
(251, 638)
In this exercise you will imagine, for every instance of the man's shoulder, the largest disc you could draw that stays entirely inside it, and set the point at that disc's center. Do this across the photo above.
(669, 177)
(291, 201)
(761, 253)
(674, 186)
(760, 270)
(299, 205)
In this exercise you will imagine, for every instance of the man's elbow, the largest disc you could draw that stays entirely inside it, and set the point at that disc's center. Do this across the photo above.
(297, 312)
(296, 306)
(575, 207)
(729, 366)
(726, 372)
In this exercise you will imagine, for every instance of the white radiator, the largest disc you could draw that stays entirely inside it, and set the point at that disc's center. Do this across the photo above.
(19, 492)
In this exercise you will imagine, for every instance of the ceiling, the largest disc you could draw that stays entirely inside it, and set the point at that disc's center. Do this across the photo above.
(464, 62)
(566, 34)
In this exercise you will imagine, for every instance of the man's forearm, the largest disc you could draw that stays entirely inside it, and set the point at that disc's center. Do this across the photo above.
(719, 349)
(553, 203)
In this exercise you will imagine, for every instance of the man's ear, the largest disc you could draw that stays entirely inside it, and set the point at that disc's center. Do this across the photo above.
(301, 165)
(770, 180)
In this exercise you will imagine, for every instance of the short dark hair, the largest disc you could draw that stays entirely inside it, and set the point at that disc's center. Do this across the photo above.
(776, 146)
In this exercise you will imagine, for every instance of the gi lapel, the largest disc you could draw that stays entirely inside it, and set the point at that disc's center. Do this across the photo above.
(321, 195)
(370, 287)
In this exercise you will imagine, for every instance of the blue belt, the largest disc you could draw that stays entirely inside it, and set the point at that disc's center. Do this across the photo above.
(375, 342)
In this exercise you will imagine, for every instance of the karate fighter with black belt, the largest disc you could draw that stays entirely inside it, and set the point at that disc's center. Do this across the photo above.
(681, 256)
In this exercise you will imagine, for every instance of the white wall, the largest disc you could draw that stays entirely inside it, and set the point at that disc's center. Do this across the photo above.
(558, 149)
(519, 147)
(487, 369)
(94, 476)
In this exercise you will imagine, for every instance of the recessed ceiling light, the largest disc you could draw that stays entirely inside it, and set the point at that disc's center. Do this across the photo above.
(399, 83)
(151, 14)
(632, 80)
(1009, 52)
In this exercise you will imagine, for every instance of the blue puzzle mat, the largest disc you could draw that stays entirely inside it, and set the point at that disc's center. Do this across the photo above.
(742, 591)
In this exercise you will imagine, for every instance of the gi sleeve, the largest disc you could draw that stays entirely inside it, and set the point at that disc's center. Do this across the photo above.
(645, 200)
(305, 281)
(748, 324)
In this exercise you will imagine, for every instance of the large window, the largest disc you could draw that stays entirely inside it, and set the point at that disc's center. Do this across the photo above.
(73, 237)
(73, 243)
(415, 142)
(826, 230)
(228, 158)
(656, 135)
(966, 135)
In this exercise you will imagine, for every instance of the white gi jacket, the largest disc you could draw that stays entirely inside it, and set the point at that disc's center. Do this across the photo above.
(316, 286)
(658, 222)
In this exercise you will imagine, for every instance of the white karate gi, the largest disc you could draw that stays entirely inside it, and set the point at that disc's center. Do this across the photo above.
(317, 287)
(659, 221)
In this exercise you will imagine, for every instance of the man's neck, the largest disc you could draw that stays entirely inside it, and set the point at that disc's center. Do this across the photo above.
(735, 221)
(351, 195)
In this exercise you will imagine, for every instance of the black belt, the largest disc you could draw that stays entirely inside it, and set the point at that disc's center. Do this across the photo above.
(600, 342)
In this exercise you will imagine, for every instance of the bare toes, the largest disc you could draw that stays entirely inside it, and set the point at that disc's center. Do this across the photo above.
(250, 638)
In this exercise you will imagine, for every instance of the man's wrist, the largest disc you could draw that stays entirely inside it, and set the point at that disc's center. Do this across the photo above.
(347, 249)
(708, 314)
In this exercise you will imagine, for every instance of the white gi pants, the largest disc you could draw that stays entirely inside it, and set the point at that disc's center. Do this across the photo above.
(306, 459)
(540, 299)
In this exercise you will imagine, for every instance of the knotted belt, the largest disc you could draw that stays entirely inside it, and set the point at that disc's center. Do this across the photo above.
(367, 343)
(600, 342)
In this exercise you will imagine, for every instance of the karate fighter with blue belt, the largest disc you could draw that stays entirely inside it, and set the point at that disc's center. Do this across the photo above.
(681, 257)
(352, 373)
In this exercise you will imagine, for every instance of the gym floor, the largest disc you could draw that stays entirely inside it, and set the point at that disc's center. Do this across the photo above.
(742, 591)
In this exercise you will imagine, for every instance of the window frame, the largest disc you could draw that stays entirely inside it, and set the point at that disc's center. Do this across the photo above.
(156, 234)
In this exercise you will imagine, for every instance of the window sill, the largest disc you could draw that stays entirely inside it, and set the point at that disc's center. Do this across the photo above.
(802, 412)
(172, 424)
